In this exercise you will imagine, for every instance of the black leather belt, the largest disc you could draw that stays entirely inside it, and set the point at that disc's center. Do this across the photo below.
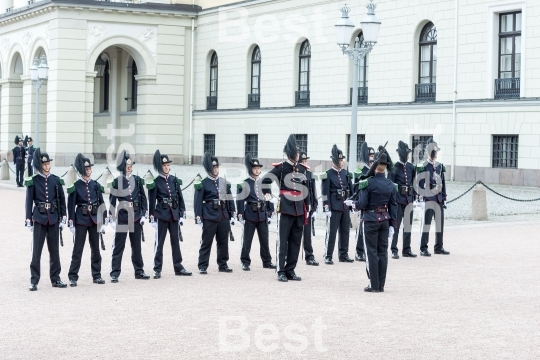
(406, 190)
(216, 203)
(129, 204)
(44, 206)
(85, 208)
(378, 210)
(256, 205)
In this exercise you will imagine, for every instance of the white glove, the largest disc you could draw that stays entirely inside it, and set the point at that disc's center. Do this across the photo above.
(232, 221)
(181, 221)
(71, 227)
(199, 222)
(269, 220)
(102, 228)
(327, 212)
(29, 225)
(241, 220)
(142, 221)
(314, 215)
(274, 200)
(62, 224)
(349, 202)
(112, 224)
(391, 232)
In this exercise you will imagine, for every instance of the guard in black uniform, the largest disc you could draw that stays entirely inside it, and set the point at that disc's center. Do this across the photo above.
(30, 150)
(308, 244)
(167, 213)
(19, 156)
(254, 211)
(293, 207)
(214, 213)
(377, 198)
(403, 175)
(432, 197)
(45, 216)
(87, 214)
(366, 160)
(336, 187)
(127, 214)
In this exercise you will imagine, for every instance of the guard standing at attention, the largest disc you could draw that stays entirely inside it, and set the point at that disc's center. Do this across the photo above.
(19, 156)
(45, 217)
(167, 213)
(214, 213)
(127, 214)
(254, 211)
(87, 213)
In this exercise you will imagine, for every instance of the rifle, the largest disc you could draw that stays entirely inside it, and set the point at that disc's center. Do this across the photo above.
(231, 236)
(313, 226)
(180, 237)
(140, 207)
(371, 171)
(58, 209)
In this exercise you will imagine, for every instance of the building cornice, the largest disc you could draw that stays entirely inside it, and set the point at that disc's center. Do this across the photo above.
(45, 6)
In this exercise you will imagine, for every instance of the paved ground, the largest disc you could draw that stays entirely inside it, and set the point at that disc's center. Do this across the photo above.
(480, 302)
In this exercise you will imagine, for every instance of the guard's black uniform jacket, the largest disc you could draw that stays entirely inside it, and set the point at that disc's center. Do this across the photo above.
(377, 197)
(165, 197)
(249, 204)
(431, 180)
(127, 194)
(336, 187)
(403, 175)
(19, 155)
(31, 150)
(85, 201)
(293, 190)
(213, 199)
(45, 200)
(312, 191)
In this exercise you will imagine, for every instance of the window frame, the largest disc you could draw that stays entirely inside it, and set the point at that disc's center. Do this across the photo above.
(360, 139)
(497, 155)
(134, 84)
(421, 139)
(512, 34)
(300, 142)
(255, 61)
(214, 65)
(421, 43)
(301, 56)
(209, 139)
(251, 145)
(106, 84)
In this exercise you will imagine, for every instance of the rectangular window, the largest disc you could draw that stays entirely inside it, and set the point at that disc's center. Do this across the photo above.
(301, 141)
(505, 151)
(510, 45)
(418, 147)
(360, 138)
(210, 143)
(252, 145)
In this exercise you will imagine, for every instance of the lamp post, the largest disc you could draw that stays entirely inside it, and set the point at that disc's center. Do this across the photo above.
(344, 29)
(38, 75)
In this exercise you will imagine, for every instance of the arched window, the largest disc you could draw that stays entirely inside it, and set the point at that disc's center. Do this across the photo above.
(106, 80)
(425, 90)
(302, 96)
(428, 55)
(362, 79)
(133, 85)
(211, 102)
(254, 99)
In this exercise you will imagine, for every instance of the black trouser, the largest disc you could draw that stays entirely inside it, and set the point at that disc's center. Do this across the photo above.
(118, 245)
(162, 227)
(19, 171)
(40, 233)
(406, 234)
(430, 212)
(288, 243)
(247, 239)
(30, 169)
(78, 247)
(308, 245)
(221, 231)
(340, 220)
(376, 244)
(359, 236)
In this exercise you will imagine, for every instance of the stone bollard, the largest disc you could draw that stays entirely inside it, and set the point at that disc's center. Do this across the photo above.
(479, 203)
(104, 178)
(4, 170)
(71, 176)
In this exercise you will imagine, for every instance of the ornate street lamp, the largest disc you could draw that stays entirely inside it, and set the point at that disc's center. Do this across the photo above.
(38, 75)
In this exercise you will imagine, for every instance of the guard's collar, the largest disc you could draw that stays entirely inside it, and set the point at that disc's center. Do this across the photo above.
(291, 162)
(166, 177)
(336, 169)
(252, 178)
(213, 178)
(45, 176)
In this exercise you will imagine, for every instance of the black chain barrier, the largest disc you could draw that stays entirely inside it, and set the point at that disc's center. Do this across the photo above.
(465, 193)
(493, 191)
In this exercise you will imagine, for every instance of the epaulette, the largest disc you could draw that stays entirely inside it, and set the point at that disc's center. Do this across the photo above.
(307, 167)
(443, 168)
(150, 184)
(101, 188)
(229, 185)
(71, 188)
(60, 180)
(179, 181)
(419, 168)
(198, 185)
(277, 164)
(29, 181)
(320, 176)
(350, 175)
(363, 184)
(240, 186)
(111, 183)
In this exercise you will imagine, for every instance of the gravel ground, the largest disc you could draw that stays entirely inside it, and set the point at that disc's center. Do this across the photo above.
(481, 302)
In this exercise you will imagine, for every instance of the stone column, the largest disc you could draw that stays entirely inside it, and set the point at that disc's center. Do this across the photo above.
(11, 114)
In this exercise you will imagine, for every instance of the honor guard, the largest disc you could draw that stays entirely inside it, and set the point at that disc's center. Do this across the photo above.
(167, 213)
(19, 156)
(314, 202)
(127, 211)
(87, 215)
(366, 160)
(30, 149)
(293, 207)
(214, 212)
(336, 187)
(403, 175)
(45, 217)
(377, 199)
(254, 213)
(432, 197)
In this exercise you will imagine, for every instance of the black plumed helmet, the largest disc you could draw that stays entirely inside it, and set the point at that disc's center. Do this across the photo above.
(250, 163)
(431, 148)
(39, 159)
(81, 163)
(336, 155)
(382, 157)
(403, 150)
(122, 161)
(291, 148)
(364, 153)
(209, 162)
(17, 139)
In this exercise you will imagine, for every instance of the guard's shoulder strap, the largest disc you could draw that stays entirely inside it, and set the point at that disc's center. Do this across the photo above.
(29, 181)
(420, 168)
(240, 185)
(362, 184)
(198, 184)
(150, 184)
(277, 164)
(320, 176)
(71, 188)
(101, 188)
(111, 183)
(443, 168)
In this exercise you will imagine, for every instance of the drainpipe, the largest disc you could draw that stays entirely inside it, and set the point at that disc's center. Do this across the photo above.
(191, 90)
(454, 114)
